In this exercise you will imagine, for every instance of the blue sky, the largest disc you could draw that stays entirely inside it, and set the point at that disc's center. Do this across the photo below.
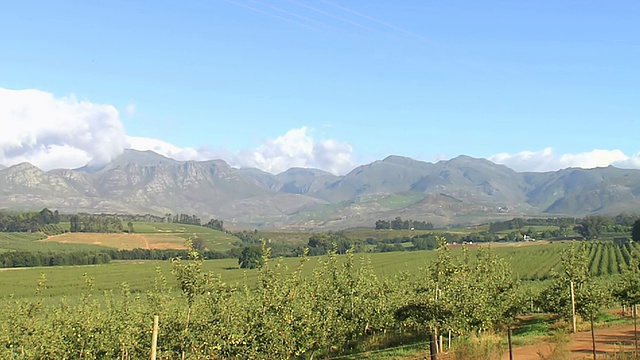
(531, 80)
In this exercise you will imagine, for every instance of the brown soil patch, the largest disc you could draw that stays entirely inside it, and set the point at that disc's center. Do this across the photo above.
(121, 241)
(608, 340)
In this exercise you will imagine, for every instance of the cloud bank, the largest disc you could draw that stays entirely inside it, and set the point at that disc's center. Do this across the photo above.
(52, 132)
(296, 148)
(65, 132)
(547, 160)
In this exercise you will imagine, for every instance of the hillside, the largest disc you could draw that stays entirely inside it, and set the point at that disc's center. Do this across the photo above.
(460, 190)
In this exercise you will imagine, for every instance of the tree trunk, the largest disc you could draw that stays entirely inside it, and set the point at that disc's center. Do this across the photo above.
(154, 338)
(593, 337)
(635, 329)
(433, 346)
(510, 343)
(573, 308)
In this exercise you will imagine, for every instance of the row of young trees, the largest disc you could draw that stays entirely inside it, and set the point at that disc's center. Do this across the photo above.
(340, 307)
(13, 259)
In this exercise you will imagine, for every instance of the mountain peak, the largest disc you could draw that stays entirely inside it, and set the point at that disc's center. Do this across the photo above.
(130, 156)
(23, 166)
(397, 159)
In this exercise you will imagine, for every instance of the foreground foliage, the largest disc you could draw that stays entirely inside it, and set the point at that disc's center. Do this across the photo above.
(339, 306)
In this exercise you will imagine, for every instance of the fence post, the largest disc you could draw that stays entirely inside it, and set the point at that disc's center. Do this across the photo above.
(154, 338)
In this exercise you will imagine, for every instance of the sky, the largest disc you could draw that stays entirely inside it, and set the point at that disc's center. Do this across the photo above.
(536, 85)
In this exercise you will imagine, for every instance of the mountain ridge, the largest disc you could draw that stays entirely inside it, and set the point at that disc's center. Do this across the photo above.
(456, 191)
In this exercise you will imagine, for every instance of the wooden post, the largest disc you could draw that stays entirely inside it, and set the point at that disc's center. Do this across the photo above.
(433, 346)
(635, 328)
(510, 343)
(593, 337)
(449, 344)
(154, 338)
(573, 308)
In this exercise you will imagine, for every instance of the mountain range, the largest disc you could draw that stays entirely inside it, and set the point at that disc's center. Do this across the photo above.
(463, 190)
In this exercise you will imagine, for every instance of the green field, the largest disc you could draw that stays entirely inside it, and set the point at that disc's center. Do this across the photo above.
(529, 262)
(214, 239)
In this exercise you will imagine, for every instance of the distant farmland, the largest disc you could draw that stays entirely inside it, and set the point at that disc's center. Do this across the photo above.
(121, 241)
(151, 236)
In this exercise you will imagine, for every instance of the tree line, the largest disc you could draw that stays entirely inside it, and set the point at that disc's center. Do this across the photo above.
(399, 224)
(27, 221)
(12, 259)
(520, 223)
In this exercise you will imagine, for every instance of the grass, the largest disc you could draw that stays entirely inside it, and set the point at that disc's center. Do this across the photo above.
(530, 328)
(65, 281)
(214, 239)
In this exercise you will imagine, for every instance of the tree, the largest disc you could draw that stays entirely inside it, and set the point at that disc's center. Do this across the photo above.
(130, 227)
(635, 232)
(383, 224)
(591, 297)
(575, 290)
(251, 257)
(74, 226)
(396, 224)
(197, 243)
(215, 224)
(319, 244)
(592, 227)
(628, 289)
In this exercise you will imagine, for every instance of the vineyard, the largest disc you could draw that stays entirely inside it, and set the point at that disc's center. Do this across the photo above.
(291, 308)
(604, 257)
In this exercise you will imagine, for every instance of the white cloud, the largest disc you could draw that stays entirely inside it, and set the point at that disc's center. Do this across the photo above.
(547, 160)
(164, 148)
(52, 132)
(297, 148)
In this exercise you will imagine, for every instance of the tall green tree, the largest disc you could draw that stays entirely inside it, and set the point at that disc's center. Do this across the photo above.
(251, 257)
(635, 231)
(592, 227)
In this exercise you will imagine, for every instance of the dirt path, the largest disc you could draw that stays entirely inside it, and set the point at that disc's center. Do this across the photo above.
(608, 340)
(146, 242)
